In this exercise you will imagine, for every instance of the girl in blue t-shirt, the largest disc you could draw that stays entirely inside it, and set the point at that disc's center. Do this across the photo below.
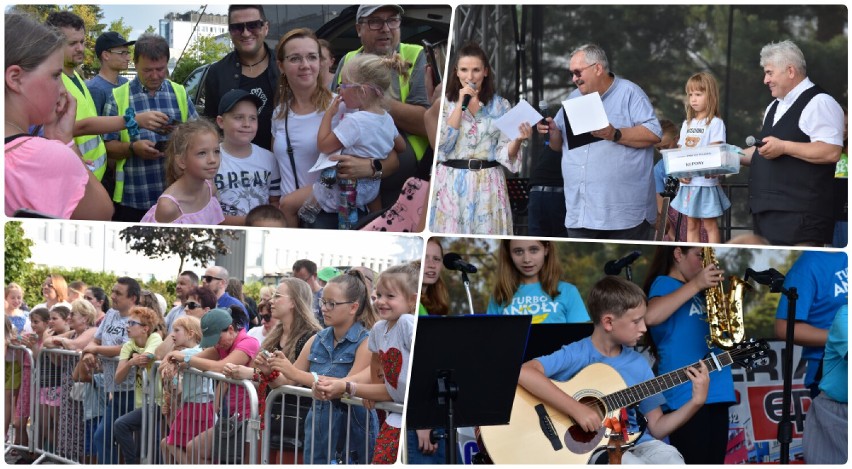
(528, 282)
(677, 324)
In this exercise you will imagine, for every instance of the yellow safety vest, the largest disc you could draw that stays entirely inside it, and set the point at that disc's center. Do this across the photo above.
(409, 53)
(122, 101)
(91, 146)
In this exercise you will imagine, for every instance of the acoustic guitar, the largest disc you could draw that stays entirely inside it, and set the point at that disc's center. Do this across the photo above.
(540, 434)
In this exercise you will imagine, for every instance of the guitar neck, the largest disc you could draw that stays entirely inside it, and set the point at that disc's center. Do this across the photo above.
(633, 394)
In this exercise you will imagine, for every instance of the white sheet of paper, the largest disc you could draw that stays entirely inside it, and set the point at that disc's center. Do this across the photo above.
(323, 162)
(522, 112)
(586, 113)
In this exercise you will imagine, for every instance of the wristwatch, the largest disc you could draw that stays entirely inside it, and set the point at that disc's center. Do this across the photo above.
(617, 136)
(377, 169)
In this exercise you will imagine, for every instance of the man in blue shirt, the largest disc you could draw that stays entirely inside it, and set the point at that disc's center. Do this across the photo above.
(609, 185)
(113, 52)
(216, 279)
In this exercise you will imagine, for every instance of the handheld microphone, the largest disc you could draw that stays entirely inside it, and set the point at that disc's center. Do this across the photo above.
(753, 142)
(542, 105)
(614, 267)
(466, 99)
(454, 261)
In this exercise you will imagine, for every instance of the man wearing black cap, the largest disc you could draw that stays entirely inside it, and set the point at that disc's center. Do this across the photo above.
(250, 67)
(248, 174)
(378, 27)
(113, 51)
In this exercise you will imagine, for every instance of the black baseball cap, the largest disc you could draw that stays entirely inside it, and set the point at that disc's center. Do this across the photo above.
(108, 40)
(231, 98)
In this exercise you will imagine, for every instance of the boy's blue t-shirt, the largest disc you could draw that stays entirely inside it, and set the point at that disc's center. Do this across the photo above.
(566, 362)
(531, 299)
(821, 280)
(681, 341)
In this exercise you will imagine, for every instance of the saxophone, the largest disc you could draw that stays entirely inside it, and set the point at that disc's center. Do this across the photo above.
(724, 312)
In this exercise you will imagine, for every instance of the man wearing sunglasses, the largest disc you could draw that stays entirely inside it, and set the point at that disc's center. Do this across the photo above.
(609, 185)
(216, 279)
(250, 67)
(378, 27)
(113, 52)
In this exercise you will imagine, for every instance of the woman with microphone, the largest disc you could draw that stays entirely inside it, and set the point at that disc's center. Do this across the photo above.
(471, 194)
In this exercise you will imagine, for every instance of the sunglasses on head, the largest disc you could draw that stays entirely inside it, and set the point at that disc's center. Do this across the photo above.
(252, 26)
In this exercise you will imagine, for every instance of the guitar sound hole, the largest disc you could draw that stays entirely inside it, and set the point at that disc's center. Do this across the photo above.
(580, 441)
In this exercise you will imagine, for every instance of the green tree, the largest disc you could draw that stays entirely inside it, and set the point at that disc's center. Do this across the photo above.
(188, 244)
(204, 50)
(150, 30)
(17, 245)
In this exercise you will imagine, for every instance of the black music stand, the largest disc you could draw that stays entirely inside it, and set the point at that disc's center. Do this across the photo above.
(545, 339)
(464, 372)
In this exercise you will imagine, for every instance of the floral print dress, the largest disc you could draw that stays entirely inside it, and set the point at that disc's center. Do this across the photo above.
(474, 201)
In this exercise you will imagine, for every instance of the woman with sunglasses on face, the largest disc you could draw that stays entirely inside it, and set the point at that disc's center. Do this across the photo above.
(99, 299)
(338, 351)
(198, 302)
(267, 322)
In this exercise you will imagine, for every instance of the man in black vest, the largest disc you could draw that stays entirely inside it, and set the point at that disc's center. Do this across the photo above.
(251, 67)
(792, 168)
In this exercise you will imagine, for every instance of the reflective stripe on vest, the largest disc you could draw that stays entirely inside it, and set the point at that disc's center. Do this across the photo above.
(91, 146)
(122, 101)
(409, 53)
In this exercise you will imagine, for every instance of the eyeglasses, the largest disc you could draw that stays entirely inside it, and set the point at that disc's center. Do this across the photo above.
(277, 295)
(123, 53)
(265, 317)
(577, 73)
(376, 24)
(192, 305)
(296, 59)
(134, 323)
(252, 26)
(210, 278)
(332, 304)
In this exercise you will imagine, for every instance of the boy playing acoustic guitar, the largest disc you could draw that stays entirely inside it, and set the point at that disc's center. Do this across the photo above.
(617, 308)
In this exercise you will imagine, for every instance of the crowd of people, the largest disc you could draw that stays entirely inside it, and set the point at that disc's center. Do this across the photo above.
(339, 334)
(343, 152)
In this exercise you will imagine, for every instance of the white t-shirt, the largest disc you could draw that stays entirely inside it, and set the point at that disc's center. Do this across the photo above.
(257, 333)
(696, 133)
(363, 134)
(245, 183)
(303, 135)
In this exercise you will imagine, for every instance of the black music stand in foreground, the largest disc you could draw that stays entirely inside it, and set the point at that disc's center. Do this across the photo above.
(464, 372)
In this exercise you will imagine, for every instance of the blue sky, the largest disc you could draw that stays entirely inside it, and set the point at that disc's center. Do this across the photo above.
(139, 17)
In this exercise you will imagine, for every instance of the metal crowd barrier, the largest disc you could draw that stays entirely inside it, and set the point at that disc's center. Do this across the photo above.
(230, 437)
(280, 448)
(65, 414)
(22, 404)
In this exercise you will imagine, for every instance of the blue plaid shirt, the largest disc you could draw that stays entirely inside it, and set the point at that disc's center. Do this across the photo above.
(145, 180)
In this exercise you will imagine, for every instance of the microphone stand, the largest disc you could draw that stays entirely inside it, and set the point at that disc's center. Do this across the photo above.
(466, 282)
(775, 280)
